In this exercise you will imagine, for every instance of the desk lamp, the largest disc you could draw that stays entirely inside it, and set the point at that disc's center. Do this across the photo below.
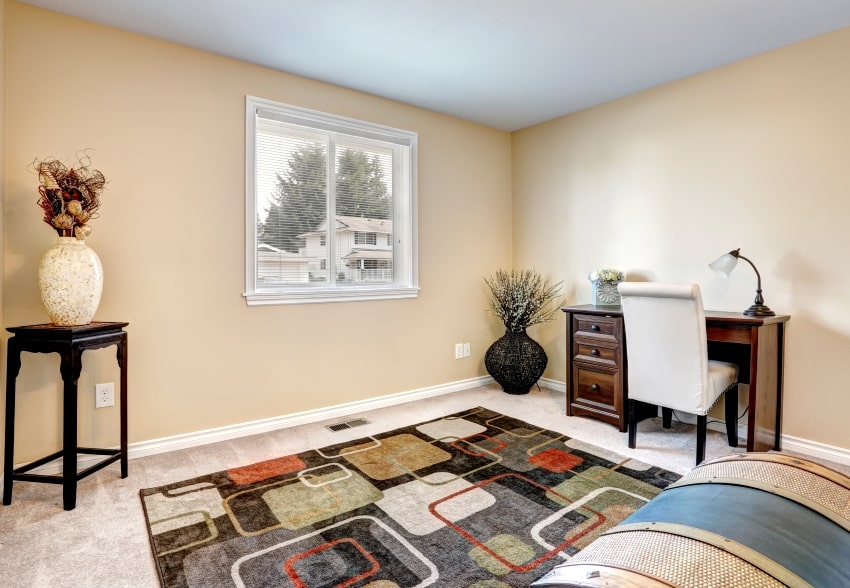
(726, 263)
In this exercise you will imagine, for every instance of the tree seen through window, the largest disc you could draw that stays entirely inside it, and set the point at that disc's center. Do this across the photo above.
(299, 203)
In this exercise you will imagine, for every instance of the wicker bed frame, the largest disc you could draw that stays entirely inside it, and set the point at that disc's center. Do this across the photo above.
(751, 520)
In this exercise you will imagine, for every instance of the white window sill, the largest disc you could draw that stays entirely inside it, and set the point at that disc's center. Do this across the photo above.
(336, 295)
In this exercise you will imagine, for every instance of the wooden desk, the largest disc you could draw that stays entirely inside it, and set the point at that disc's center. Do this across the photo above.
(69, 343)
(597, 366)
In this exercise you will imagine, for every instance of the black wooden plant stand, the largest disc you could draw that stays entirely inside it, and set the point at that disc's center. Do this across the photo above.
(69, 343)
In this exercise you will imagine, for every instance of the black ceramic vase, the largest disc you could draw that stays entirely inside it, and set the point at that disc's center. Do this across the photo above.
(516, 362)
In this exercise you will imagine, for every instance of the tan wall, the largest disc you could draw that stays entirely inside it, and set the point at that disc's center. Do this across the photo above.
(753, 155)
(166, 125)
(2, 188)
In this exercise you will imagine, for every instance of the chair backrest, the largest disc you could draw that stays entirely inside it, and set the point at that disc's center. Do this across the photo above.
(666, 345)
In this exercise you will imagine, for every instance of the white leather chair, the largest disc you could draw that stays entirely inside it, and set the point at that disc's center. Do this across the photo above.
(667, 358)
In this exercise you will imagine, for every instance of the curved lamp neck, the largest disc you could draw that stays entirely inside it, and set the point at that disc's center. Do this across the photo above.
(758, 275)
(758, 307)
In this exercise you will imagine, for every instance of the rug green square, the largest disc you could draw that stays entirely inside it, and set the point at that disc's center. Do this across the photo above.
(475, 499)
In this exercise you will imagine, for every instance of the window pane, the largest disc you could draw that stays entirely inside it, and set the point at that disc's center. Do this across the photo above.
(292, 207)
(364, 207)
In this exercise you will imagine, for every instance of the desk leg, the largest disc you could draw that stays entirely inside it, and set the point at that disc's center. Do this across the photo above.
(780, 384)
(13, 367)
(122, 363)
(70, 367)
(764, 420)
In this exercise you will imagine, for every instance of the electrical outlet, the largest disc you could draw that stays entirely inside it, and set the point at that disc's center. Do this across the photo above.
(466, 349)
(458, 350)
(104, 395)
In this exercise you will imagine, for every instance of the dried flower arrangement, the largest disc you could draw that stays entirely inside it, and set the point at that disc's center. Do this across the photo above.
(69, 197)
(521, 298)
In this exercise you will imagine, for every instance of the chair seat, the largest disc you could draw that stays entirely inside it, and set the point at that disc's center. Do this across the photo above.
(721, 376)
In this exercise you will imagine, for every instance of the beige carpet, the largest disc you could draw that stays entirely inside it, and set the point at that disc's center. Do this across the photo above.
(103, 542)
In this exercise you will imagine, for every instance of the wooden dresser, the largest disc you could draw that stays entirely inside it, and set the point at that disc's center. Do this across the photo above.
(596, 372)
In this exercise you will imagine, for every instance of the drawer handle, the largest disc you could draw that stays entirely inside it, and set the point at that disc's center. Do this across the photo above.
(594, 327)
(594, 387)
(594, 352)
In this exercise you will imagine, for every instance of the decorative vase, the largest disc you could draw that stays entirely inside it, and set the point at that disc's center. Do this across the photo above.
(70, 278)
(516, 362)
(605, 293)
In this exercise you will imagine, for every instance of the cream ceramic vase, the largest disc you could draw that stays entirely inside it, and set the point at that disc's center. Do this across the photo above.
(70, 278)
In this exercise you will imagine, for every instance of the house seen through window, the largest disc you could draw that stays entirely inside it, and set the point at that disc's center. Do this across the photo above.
(331, 203)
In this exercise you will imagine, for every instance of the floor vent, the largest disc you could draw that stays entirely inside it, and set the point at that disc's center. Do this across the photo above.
(347, 425)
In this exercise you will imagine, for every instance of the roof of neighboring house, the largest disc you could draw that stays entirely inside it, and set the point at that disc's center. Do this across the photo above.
(366, 225)
(266, 250)
(370, 254)
(267, 247)
(356, 223)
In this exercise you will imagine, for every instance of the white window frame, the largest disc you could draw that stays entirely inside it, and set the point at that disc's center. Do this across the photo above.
(405, 254)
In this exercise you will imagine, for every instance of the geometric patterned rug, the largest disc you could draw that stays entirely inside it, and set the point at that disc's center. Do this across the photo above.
(476, 499)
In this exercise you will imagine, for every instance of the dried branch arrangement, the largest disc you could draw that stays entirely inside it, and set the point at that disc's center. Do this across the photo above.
(521, 298)
(69, 197)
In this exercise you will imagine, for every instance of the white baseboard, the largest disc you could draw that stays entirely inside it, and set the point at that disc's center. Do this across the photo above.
(553, 385)
(188, 440)
(198, 438)
(795, 444)
(815, 449)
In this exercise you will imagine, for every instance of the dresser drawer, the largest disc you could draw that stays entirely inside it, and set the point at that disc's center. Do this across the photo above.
(597, 388)
(597, 328)
(596, 354)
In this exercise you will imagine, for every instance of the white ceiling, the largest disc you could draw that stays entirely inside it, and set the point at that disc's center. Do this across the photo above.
(507, 64)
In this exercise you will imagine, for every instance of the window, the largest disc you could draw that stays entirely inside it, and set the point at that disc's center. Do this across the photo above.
(330, 207)
(361, 238)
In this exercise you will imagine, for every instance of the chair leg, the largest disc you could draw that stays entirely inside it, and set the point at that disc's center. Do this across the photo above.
(731, 402)
(632, 423)
(666, 417)
(702, 422)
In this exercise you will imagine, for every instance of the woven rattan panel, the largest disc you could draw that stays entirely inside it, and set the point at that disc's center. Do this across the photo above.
(684, 562)
(795, 480)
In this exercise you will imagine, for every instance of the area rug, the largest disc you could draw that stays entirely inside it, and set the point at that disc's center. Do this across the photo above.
(475, 499)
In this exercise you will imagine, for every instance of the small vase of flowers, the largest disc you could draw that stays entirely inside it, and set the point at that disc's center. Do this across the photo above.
(604, 281)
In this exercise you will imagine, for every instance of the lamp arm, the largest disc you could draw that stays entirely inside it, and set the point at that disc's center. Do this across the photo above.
(758, 308)
(759, 298)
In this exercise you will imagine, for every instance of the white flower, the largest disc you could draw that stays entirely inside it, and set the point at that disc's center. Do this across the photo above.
(607, 274)
(521, 298)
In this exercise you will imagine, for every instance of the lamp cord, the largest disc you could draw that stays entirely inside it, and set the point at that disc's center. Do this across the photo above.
(740, 416)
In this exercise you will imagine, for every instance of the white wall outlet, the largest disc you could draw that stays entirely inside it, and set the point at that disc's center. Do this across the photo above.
(458, 350)
(104, 395)
(466, 349)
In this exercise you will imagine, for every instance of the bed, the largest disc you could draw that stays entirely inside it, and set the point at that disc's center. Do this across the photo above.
(754, 519)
